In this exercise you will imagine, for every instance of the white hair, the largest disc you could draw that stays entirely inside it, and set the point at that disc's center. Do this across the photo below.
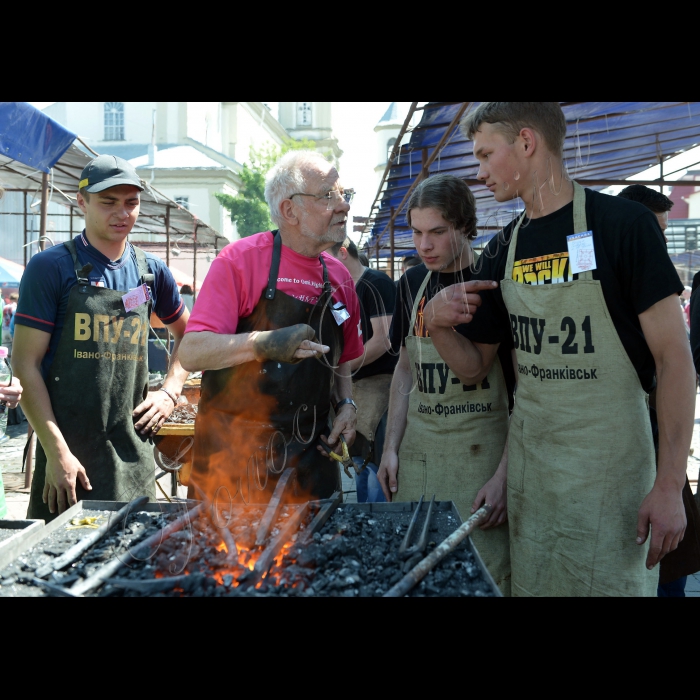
(286, 178)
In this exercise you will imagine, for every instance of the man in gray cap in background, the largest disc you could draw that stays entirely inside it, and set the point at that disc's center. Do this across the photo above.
(81, 350)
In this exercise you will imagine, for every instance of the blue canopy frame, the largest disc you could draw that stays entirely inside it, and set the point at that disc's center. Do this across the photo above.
(606, 143)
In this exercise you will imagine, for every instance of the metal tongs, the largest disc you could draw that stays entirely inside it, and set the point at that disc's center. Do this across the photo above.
(414, 554)
(345, 459)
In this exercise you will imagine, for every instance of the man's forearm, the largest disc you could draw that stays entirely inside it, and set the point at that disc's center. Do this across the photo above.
(399, 396)
(206, 350)
(177, 374)
(675, 406)
(374, 349)
(36, 405)
(460, 355)
(342, 387)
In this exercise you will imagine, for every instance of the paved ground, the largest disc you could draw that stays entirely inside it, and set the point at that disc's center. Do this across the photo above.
(17, 497)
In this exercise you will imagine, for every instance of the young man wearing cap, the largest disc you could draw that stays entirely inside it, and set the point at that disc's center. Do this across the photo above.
(81, 351)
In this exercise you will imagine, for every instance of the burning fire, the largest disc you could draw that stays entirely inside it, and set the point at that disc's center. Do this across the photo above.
(247, 558)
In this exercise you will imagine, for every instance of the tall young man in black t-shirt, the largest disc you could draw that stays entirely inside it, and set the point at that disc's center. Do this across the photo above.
(373, 369)
(588, 296)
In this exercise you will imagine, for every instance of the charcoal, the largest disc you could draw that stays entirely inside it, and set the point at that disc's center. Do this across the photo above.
(355, 554)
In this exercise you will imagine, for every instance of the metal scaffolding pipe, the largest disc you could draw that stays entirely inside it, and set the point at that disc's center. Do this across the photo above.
(391, 243)
(167, 236)
(44, 209)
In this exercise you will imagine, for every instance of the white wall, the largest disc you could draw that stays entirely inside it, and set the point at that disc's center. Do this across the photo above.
(204, 123)
(693, 205)
(87, 120)
(247, 129)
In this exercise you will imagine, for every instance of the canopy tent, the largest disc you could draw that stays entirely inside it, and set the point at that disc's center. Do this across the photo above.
(183, 278)
(39, 156)
(10, 273)
(606, 143)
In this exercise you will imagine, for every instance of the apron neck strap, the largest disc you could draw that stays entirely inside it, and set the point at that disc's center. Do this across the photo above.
(142, 263)
(274, 266)
(81, 271)
(580, 226)
(271, 288)
(419, 296)
(327, 289)
(510, 260)
(580, 223)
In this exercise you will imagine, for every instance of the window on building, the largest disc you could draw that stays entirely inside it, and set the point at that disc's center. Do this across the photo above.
(184, 202)
(114, 121)
(390, 147)
(304, 114)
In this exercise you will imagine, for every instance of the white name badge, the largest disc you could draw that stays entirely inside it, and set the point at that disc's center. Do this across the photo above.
(340, 313)
(581, 252)
(136, 297)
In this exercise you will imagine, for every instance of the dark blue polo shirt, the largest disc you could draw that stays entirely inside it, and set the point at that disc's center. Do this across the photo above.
(50, 275)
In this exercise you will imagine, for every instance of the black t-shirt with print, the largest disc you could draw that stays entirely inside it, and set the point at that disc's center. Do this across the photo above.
(377, 294)
(407, 291)
(632, 265)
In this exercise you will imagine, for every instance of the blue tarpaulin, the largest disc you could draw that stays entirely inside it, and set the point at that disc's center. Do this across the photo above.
(27, 135)
(605, 140)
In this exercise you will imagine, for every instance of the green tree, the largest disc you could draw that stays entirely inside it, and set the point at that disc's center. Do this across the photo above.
(248, 208)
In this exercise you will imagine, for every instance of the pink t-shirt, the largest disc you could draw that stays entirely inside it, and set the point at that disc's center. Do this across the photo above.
(237, 277)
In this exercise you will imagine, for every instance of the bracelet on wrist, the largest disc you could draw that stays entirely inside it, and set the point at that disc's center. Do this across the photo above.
(173, 398)
(343, 402)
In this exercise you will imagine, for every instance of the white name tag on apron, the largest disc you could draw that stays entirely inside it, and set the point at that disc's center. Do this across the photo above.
(581, 252)
(340, 313)
(136, 297)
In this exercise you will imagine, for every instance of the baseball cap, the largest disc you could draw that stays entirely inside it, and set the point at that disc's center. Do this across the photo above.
(108, 171)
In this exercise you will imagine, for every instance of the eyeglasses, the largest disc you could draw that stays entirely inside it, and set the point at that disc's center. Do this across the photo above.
(333, 197)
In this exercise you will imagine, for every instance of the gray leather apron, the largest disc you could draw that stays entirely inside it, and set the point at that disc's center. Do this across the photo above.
(97, 378)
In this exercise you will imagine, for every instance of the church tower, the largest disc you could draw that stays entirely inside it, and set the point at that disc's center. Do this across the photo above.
(387, 130)
(311, 120)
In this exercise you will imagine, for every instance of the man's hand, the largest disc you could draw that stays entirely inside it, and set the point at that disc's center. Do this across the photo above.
(59, 485)
(153, 412)
(493, 493)
(388, 474)
(455, 304)
(663, 510)
(345, 423)
(11, 394)
(291, 345)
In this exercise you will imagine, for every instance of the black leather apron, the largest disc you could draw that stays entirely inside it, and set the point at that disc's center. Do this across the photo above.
(97, 378)
(257, 418)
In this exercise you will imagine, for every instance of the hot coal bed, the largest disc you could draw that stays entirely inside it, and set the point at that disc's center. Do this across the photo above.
(316, 549)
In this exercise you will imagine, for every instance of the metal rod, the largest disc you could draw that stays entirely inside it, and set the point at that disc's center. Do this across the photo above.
(403, 547)
(320, 520)
(263, 564)
(69, 556)
(428, 161)
(135, 553)
(167, 236)
(44, 209)
(390, 159)
(449, 544)
(391, 244)
(194, 263)
(274, 506)
(26, 242)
